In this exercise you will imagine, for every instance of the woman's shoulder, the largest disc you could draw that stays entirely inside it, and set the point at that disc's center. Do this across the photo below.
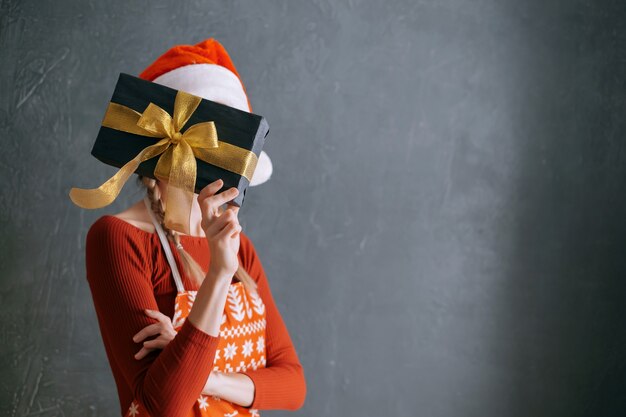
(113, 242)
(111, 229)
(116, 254)
(134, 221)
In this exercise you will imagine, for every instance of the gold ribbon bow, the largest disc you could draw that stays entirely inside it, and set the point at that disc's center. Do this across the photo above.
(176, 165)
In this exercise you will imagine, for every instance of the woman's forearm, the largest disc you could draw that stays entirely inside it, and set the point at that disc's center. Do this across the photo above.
(230, 386)
(208, 307)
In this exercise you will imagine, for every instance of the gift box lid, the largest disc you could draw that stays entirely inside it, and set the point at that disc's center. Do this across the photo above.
(236, 127)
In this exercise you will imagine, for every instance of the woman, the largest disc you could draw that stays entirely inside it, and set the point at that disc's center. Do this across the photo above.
(207, 340)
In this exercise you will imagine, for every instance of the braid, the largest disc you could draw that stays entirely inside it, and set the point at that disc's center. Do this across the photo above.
(190, 266)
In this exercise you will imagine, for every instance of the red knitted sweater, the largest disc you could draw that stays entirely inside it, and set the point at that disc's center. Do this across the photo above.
(127, 272)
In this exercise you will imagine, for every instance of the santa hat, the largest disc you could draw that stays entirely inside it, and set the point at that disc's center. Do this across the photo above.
(206, 70)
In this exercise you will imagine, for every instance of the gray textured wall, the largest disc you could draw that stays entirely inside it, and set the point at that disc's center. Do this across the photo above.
(445, 227)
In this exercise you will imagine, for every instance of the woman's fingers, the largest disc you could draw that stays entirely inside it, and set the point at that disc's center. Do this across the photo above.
(142, 353)
(163, 328)
(150, 330)
(228, 230)
(210, 189)
(209, 210)
(229, 216)
(235, 209)
(215, 201)
(162, 318)
(158, 343)
(227, 195)
(210, 202)
(214, 219)
(150, 345)
(154, 328)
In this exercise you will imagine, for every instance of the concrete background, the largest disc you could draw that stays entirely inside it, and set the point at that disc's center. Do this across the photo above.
(445, 228)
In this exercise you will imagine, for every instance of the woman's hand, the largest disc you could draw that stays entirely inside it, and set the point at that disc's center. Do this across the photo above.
(235, 387)
(163, 328)
(221, 228)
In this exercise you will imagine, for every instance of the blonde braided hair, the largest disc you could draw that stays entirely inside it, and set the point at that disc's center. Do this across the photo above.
(190, 266)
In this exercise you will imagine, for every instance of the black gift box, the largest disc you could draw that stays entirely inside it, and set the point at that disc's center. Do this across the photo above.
(237, 127)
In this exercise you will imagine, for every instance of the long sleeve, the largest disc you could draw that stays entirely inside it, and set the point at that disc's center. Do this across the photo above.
(281, 384)
(166, 381)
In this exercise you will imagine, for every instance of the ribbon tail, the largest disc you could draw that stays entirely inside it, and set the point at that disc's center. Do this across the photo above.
(107, 193)
(181, 180)
(179, 202)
